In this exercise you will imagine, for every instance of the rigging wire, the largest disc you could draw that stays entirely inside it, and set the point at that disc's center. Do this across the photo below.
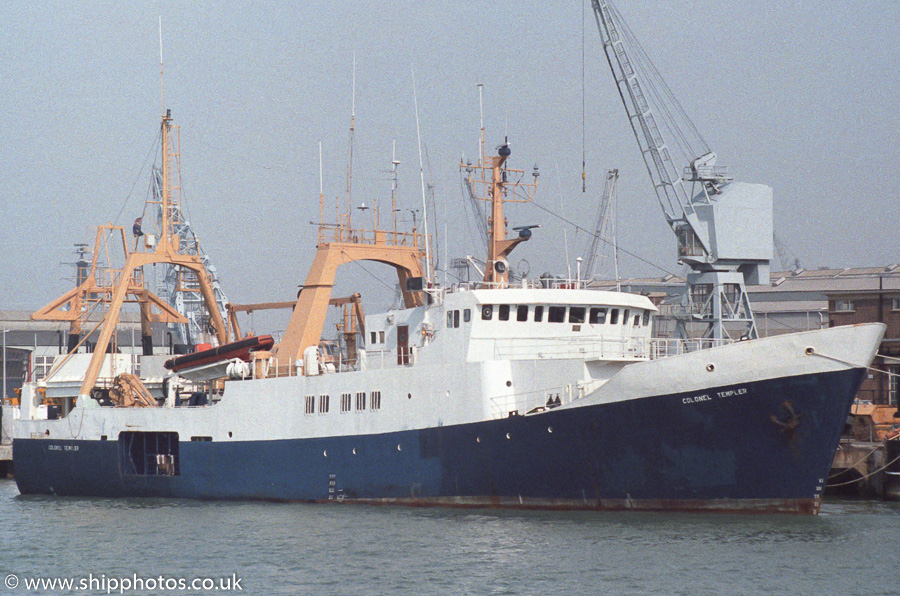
(152, 150)
(578, 227)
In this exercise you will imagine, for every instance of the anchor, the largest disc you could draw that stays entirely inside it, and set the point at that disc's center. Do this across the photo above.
(791, 422)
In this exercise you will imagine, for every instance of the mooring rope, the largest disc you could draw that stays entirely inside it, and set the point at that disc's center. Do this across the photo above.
(890, 374)
(872, 473)
(848, 468)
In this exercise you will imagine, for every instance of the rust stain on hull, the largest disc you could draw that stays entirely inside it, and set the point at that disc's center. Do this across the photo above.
(743, 506)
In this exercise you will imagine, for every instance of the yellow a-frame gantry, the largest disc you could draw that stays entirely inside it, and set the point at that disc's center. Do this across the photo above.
(403, 251)
(112, 287)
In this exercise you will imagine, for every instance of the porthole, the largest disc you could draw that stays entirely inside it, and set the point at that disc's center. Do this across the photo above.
(477, 439)
(549, 429)
(509, 383)
(409, 396)
(810, 351)
(507, 435)
(229, 434)
(354, 451)
(710, 367)
(398, 447)
(325, 453)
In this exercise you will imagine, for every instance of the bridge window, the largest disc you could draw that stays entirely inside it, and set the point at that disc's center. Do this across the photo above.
(487, 312)
(614, 316)
(637, 320)
(467, 315)
(597, 316)
(503, 315)
(576, 314)
(449, 319)
(522, 312)
(538, 314)
(646, 318)
(557, 314)
(625, 317)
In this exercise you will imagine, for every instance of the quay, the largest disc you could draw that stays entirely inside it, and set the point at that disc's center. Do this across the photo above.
(868, 469)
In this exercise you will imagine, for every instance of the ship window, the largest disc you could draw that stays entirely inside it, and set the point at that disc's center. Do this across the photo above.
(522, 312)
(381, 337)
(449, 319)
(503, 315)
(894, 389)
(576, 314)
(310, 404)
(843, 305)
(345, 402)
(598, 316)
(467, 315)
(646, 318)
(538, 314)
(361, 401)
(895, 303)
(456, 318)
(557, 314)
(614, 316)
(42, 365)
(625, 317)
(637, 320)
(376, 400)
(201, 439)
(149, 453)
(374, 337)
(323, 404)
(487, 312)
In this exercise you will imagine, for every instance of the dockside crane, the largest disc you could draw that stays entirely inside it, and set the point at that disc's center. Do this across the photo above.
(605, 221)
(723, 228)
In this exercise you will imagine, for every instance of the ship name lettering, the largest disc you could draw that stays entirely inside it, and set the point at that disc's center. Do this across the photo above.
(732, 392)
(695, 399)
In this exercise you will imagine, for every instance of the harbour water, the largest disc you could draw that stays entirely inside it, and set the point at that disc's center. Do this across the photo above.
(852, 547)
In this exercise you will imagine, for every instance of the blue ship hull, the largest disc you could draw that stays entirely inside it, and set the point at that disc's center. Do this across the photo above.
(769, 449)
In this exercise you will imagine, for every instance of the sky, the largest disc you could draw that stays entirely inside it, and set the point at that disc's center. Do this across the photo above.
(801, 96)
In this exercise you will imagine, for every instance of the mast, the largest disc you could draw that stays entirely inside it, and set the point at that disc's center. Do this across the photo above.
(428, 272)
(496, 190)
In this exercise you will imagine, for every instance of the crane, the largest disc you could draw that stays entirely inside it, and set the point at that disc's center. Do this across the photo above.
(179, 286)
(605, 219)
(723, 228)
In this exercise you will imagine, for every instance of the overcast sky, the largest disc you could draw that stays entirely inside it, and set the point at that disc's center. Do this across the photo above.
(802, 96)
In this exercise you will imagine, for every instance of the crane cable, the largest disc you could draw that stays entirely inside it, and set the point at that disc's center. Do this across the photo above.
(583, 135)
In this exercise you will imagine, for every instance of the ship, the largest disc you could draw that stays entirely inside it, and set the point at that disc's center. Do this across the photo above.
(502, 392)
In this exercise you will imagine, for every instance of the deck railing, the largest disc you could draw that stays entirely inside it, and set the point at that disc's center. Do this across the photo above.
(589, 348)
